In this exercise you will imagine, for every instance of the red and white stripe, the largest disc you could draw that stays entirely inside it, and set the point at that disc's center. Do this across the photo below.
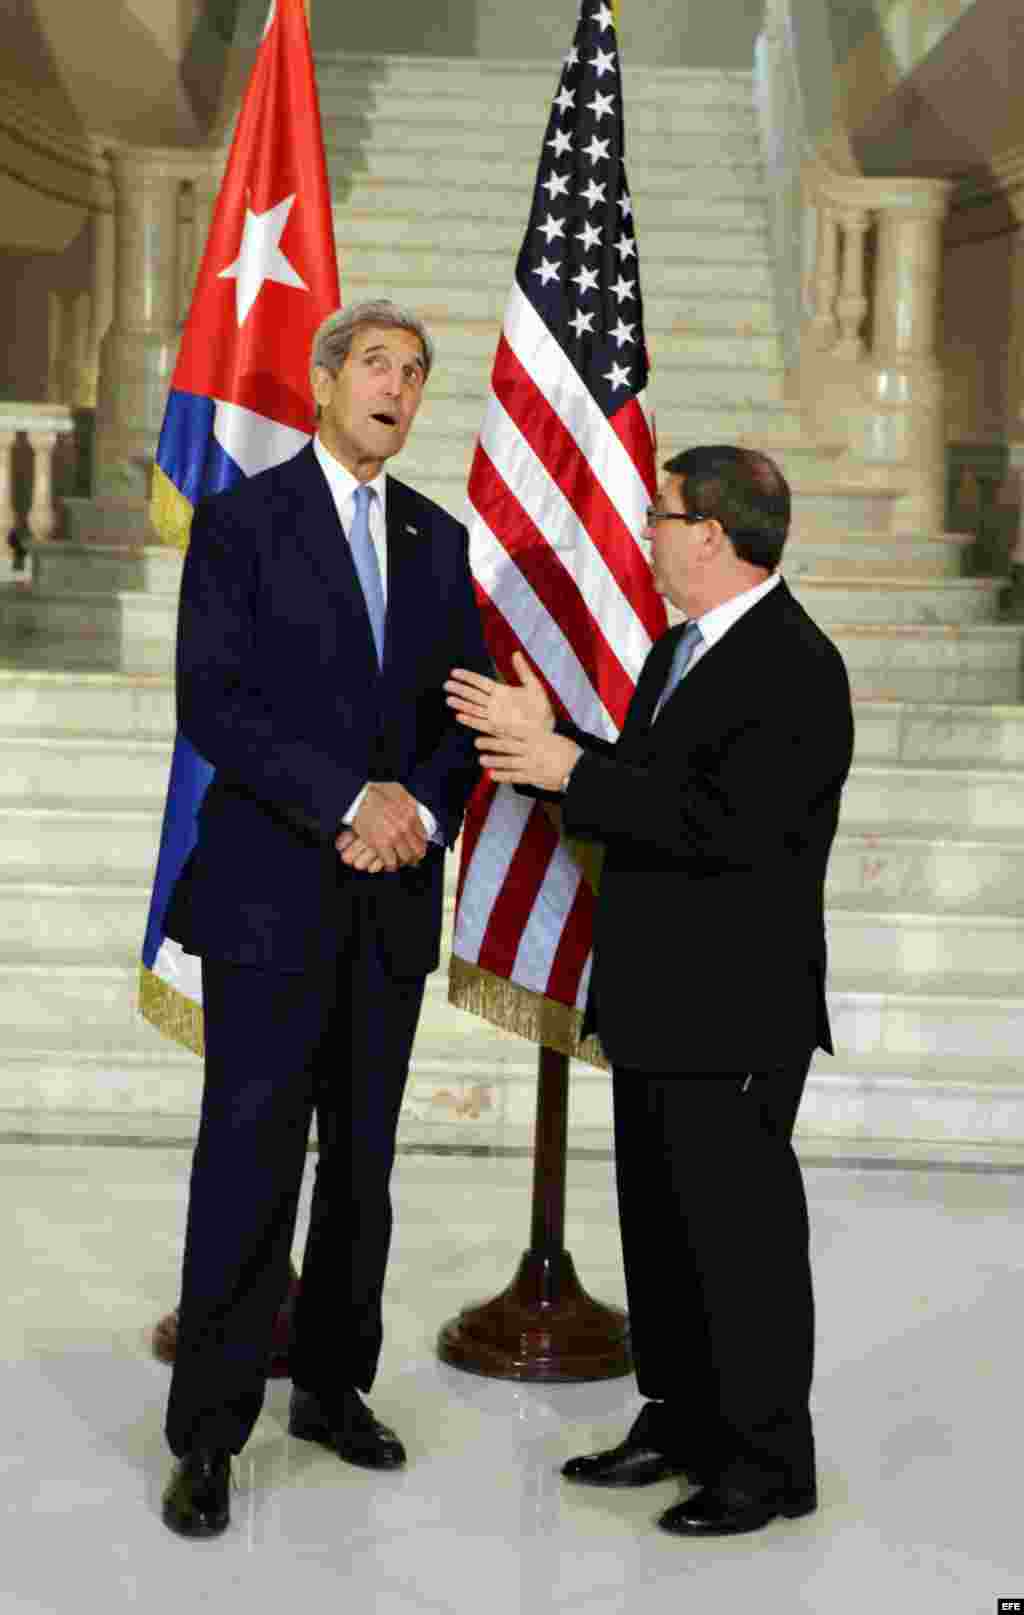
(557, 495)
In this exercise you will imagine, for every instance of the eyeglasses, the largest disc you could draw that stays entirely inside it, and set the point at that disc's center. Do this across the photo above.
(652, 515)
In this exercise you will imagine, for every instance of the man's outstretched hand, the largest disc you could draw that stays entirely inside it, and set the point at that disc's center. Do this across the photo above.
(493, 708)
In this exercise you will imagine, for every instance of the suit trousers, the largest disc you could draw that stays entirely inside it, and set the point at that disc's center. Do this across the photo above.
(715, 1246)
(280, 1046)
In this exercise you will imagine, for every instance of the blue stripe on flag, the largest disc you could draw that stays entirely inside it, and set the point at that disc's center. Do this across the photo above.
(188, 453)
(190, 456)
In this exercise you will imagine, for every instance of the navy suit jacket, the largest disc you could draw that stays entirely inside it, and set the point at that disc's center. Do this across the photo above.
(278, 687)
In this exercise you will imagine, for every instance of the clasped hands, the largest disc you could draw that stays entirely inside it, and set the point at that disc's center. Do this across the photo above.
(387, 832)
(516, 722)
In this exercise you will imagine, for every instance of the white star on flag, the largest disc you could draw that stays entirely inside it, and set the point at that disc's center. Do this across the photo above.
(603, 18)
(547, 271)
(593, 193)
(551, 228)
(260, 258)
(604, 61)
(572, 60)
(602, 106)
(561, 142)
(586, 280)
(556, 185)
(626, 248)
(626, 204)
(597, 151)
(623, 288)
(581, 322)
(565, 99)
(617, 376)
(622, 332)
(590, 235)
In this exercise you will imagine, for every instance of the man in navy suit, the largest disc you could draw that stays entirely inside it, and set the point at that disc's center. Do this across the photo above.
(717, 807)
(322, 604)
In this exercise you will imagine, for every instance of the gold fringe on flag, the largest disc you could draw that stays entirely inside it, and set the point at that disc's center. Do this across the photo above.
(170, 513)
(517, 1009)
(176, 1016)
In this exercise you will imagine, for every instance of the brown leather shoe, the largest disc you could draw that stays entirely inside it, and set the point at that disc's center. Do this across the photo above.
(347, 1427)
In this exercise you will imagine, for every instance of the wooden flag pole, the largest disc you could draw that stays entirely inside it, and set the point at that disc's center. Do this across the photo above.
(544, 1326)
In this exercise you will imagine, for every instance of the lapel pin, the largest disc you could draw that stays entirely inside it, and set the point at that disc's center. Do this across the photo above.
(413, 530)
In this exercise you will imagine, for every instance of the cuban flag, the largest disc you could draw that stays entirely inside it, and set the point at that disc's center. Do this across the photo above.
(240, 398)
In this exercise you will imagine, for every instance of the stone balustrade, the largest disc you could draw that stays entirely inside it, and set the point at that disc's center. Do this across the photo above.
(868, 345)
(41, 425)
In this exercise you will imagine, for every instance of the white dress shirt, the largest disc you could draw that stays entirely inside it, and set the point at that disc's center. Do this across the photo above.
(343, 487)
(715, 624)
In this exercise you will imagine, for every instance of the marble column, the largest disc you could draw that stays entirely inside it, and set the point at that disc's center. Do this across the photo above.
(906, 383)
(138, 351)
(8, 514)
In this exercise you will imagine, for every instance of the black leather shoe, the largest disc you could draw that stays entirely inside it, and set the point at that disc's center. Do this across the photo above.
(721, 1511)
(196, 1500)
(348, 1427)
(632, 1463)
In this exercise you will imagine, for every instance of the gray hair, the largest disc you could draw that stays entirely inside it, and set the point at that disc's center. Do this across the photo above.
(333, 339)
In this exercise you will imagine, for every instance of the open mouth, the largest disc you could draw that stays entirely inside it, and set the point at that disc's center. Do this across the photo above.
(384, 417)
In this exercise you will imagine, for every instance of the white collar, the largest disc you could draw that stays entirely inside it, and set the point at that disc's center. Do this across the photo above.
(717, 622)
(341, 481)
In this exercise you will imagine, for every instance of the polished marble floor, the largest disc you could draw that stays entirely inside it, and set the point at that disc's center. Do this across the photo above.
(920, 1277)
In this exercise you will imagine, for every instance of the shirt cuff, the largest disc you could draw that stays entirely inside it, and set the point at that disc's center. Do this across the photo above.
(427, 819)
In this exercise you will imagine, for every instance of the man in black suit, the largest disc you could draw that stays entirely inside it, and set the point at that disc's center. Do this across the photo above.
(322, 605)
(717, 808)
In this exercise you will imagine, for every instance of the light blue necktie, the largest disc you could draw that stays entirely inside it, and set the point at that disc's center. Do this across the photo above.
(689, 640)
(367, 566)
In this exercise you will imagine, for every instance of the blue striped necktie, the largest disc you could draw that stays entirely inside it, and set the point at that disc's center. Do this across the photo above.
(367, 566)
(689, 640)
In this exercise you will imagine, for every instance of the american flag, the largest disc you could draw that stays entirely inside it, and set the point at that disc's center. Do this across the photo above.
(561, 476)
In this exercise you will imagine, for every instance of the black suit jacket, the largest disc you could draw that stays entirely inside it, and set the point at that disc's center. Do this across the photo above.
(709, 950)
(279, 688)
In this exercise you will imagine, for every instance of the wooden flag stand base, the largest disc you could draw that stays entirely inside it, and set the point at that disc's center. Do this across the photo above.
(544, 1327)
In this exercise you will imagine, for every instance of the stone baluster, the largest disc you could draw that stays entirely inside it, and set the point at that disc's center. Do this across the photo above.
(8, 514)
(42, 516)
(138, 351)
(852, 304)
(907, 383)
(826, 277)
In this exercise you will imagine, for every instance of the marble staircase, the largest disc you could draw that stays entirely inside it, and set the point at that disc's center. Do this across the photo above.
(926, 890)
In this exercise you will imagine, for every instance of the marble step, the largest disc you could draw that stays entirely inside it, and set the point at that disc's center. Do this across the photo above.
(938, 735)
(55, 839)
(511, 82)
(915, 865)
(119, 708)
(864, 934)
(974, 664)
(481, 1088)
(922, 867)
(83, 568)
(649, 181)
(857, 558)
(110, 706)
(473, 94)
(455, 400)
(132, 631)
(398, 227)
(960, 799)
(497, 197)
(86, 768)
(898, 601)
(939, 1014)
(476, 284)
(110, 521)
(446, 133)
(454, 262)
